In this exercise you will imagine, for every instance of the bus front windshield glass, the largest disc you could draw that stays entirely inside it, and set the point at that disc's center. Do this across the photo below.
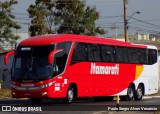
(31, 63)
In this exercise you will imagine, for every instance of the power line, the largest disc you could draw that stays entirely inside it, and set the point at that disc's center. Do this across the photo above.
(145, 26)
(111, 16)
(146, 22)
(134, 28)
(142, 29)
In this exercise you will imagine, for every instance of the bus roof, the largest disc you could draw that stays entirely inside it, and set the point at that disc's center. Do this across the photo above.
(56, 38)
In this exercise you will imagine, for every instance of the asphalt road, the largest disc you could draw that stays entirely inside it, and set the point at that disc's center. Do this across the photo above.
(83, 106)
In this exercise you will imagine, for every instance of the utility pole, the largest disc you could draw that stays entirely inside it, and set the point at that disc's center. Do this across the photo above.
(125, 21)
(137, 36)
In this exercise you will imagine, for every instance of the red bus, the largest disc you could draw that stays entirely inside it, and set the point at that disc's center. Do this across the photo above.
(68, 66)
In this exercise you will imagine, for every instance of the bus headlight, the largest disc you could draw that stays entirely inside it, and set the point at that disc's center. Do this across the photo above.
(47, 85)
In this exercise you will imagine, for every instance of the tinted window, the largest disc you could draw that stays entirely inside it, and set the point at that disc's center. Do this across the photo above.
(133, 55)
(61, 57)
(79, 53)
(31, 63)
(142, 53)
(121, 54)
(105, 53)
(108, 53)
(152, 56)
(34, 51)
(93, 52)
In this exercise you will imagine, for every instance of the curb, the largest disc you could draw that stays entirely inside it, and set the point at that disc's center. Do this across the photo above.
(102, 112)
(150, 97)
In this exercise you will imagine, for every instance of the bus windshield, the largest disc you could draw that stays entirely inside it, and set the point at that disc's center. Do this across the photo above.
(31, 63)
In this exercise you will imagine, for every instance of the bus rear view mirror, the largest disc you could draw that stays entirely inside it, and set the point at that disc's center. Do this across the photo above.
(7, 56)
(51, 55)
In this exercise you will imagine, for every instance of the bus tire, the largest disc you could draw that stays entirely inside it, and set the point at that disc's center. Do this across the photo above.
(36, 101)
(138, 93)
(70, 95)
(130, 93)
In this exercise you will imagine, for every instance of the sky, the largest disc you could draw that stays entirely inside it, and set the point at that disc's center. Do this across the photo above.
(111, 15)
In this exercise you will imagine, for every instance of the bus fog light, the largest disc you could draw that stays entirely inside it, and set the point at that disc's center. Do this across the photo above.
(14, 93)
(44, 93)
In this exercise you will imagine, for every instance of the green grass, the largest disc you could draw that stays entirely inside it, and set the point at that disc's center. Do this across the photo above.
(5, 93)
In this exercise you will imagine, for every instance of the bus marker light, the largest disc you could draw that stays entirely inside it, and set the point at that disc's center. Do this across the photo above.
(41, 82)
(57, 84)
(44, 93)
(57, 88)
(65, 81)
(59, 77)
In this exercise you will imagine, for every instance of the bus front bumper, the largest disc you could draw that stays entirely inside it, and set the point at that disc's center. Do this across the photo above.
(37, 92)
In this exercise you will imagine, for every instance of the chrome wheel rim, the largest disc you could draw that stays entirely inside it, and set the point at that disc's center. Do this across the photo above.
(139, 92)
(70, 95)
(130, 92)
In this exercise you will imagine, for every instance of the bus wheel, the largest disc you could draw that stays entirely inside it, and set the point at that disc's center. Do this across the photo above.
(138, 93)
(130, 93)
(36, 101)
(70, 95)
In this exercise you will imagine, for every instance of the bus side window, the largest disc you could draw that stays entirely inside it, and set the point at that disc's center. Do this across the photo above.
(133, 55)
(125, 55)
(93, 52)
(152, 56)
(142, 56)
(108, 53)
(60, 59)
(79, 53)
(121, 55)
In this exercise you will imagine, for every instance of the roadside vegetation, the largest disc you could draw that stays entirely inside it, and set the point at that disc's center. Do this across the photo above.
(4, 92)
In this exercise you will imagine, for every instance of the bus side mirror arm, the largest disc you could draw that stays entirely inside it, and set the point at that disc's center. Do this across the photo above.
(51, 55)
(7, 56)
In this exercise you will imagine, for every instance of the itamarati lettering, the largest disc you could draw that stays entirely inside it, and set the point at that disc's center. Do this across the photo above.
(113, 70)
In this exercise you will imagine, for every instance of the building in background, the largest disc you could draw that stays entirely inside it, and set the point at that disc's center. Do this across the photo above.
(133, 37)
(154, 37)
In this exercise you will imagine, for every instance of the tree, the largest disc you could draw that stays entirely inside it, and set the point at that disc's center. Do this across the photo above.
(67, 16)
(77, 18)
(7, 23)
(42, 17)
